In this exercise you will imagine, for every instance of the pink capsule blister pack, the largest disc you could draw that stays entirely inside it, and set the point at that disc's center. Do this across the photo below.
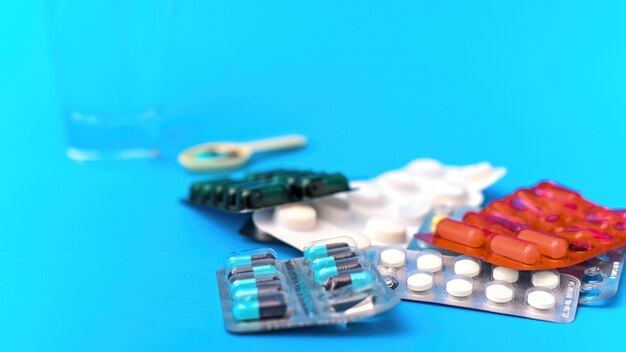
(463, 281)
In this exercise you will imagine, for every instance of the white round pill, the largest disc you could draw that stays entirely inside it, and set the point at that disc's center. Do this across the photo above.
(415, 210)
(499, 292)
(501, 273)
(399, 181)
(419, 282)
(541, 299)
(332, 208)
(361, 240)
(467, 266)
(296, 216)
(459, 287)
(393, 257)
(425, 167)
(385, 230)
(365, 194)
(429, 261)
(545, 278)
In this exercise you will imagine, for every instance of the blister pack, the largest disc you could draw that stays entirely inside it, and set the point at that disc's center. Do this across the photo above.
(265, 189)
(543, 227)
(385, 210)
(334, 283)
(599, 276)
(463, 281)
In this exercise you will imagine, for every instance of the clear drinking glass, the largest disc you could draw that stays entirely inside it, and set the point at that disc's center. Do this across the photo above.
(108, 58)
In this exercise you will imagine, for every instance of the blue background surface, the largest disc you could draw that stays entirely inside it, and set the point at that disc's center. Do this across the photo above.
(103, 256)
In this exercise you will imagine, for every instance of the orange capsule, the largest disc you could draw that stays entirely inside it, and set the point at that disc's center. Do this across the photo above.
(548, 245)
(458, 232)
(476, 220)
(516, 249)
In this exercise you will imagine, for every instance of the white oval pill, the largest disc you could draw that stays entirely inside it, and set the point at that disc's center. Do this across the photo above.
(459, 287)
(541, 299)
(419, 282)
(385, 230)
(296, 216)
(501, 273)
(545, 278)
(499, 292)
(365, 194)
(467, 266)
(429, 261)
(415, 210)
(392, 257)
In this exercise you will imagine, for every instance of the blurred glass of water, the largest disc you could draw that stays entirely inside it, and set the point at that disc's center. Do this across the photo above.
(108, 58)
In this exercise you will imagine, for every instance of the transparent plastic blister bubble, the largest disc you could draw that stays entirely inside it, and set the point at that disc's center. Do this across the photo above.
(545, 226)
(463, 281)
(265, 189)
(334, 284)
(388, 209)
(599, 276)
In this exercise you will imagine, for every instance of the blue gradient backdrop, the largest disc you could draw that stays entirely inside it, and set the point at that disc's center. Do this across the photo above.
(102, 257)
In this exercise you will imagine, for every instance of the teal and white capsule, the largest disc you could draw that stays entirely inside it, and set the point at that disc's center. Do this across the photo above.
(323, 250)
(242, 261)
(362, 281)
(329, 271)
(253, 292)
(331, 260)
(264, 307)
(254, 272)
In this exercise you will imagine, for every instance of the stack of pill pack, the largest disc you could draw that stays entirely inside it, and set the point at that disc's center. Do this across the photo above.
(414, 234)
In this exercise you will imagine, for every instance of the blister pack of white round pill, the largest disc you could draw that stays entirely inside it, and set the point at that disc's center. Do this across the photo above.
(463, 281)
(388, 209)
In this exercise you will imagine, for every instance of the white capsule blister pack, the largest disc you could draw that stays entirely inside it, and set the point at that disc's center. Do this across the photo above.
(463, 281)
(385, 210)
(334, 283)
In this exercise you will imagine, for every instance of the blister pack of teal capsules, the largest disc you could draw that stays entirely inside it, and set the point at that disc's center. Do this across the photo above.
(334, 283)
(265, 189)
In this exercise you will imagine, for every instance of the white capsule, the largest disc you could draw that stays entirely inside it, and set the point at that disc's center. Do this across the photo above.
(546, 278)
(460, 286)
(499, 292)
(420, 281)
(541, 299)
(296, 216)
(385, 230)
(393, 257)
(501, 273)
(466, 266)
(429, 261)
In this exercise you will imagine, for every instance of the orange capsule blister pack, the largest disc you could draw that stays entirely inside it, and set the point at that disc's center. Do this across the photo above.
(543, 227)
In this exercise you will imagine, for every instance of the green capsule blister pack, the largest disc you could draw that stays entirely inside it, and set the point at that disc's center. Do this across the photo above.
(334, 283)
(265, 189)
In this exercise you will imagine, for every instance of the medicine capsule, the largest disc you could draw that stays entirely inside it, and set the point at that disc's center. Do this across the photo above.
(264, 307)
(362, 281)
(548, 245)
(256, 271)
(319, 185)
(461, 233)
(252, 281)
(515, 249)
(324, 273)
(242, 261)
(253, 292)
(330, 260)
(324, 250)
